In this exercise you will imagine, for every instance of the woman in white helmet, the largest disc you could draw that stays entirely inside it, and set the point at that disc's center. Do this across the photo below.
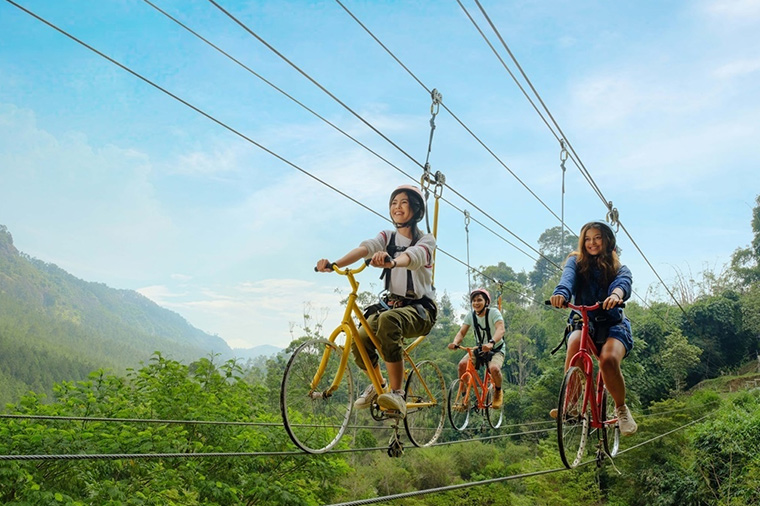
(406, 257)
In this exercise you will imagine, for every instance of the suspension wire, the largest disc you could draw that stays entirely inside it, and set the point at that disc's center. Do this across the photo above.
(191, 106)
(563, 139)
(459, 486)
(467, 234)
(212, 118)
(562, 159)
(562, 135)
(337, 128)
(302, 72)
(313, 81)
(136, 420)
(494, 155)
(653, 269)
(275, 87)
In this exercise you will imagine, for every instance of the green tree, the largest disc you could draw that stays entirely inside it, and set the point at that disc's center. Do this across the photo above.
(745, 262)
(554, 246)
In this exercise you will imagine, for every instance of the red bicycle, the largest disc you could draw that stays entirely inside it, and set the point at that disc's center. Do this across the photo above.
(471, 393)
(583, 407)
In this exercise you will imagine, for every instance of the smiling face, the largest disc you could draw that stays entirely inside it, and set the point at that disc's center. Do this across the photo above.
(593, 241)
(401, 208)
(478, 303)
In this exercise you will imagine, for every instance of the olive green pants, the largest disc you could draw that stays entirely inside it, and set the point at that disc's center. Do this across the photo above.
(391, 327)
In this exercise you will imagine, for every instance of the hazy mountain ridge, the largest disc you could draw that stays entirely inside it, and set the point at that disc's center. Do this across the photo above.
(55, 326)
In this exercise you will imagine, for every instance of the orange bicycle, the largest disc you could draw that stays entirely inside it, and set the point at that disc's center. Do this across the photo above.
(470, 393)
(583, 407)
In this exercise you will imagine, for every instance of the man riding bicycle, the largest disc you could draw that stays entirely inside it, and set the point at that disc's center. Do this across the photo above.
(483, 318)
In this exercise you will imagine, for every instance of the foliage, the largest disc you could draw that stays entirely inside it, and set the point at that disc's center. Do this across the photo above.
(161, 390)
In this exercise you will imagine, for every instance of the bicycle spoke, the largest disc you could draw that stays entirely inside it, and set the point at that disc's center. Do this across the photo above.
(572, 420)
(315, 418)
(494, 415)
(458, 404)
(425, 414)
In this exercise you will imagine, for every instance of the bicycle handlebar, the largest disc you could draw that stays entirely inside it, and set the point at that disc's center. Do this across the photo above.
(337, 269)
(592, 307)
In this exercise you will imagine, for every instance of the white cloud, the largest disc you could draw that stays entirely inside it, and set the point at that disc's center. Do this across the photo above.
(739, 68)
(742, 10)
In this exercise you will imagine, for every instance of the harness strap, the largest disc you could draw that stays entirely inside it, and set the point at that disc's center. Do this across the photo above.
(392, 249)
(483, 335)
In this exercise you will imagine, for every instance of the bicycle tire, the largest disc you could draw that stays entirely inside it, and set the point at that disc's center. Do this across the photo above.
(315, 422)
(572, 419)
(611, 433)
(493, 415)
(458, 407)
(424, 424)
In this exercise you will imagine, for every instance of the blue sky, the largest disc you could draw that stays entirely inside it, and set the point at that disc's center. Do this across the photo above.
(117, 183)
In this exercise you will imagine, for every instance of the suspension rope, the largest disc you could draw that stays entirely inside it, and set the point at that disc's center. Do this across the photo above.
(456, 118)
(562, 159)
(467, 235)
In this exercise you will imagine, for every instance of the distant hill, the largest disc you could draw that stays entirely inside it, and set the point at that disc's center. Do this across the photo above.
(264, 350)
(54, 327)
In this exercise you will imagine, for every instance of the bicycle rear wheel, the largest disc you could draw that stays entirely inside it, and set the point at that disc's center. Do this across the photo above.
(611, 432)
(460, 395)
(572, 420)
(314, 418)
(494, 415)
(426, 411)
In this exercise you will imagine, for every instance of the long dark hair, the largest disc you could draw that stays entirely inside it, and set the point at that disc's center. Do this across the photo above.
(607, 261)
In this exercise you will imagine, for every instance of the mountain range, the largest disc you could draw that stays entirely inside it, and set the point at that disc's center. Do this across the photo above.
(55, 327)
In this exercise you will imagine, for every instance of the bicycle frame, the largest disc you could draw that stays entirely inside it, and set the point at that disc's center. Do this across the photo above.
(474, 380)
(348, 326)
(583, 360)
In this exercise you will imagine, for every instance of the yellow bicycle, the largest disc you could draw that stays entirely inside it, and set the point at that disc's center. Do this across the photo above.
(317, 395)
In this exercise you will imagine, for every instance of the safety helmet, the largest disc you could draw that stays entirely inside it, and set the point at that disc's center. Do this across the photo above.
(416, 202)
(607, 232)
(483, 292)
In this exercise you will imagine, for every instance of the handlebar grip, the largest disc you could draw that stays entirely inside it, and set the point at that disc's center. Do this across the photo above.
(331, 265)
(367, 261)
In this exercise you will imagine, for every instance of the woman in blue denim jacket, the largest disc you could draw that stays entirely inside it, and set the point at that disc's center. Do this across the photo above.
(591, 274)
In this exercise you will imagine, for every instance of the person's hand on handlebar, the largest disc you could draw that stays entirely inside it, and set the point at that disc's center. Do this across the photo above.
(558, 301)
(324, 265)
(453, 346)
(612, 301)
(383, 260)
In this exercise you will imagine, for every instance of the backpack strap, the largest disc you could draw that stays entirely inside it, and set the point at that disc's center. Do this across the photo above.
(393, 250)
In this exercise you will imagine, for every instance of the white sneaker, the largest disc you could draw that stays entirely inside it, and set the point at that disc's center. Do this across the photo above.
(367, 397)
(393, 400)
(625, 420)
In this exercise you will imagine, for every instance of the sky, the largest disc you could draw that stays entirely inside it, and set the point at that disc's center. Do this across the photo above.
(117, 182)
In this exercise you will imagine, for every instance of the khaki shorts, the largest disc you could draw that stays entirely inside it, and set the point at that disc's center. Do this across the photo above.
(496, 361)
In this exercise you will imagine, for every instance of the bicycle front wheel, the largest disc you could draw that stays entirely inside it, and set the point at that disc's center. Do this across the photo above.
(611, 432)
(458, 404)
(494, 415)
(314, 414)
(572, 420)
(426, 404)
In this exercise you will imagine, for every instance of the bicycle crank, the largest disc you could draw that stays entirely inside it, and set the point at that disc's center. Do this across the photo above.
(395, 446)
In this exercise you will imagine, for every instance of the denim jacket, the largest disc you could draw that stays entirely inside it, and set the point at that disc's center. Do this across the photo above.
(593, 291)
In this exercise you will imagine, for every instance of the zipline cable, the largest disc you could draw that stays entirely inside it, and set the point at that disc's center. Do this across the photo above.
(561, 137)
(459, 486)
(349, 109)
(456, 118)
(191, 106)
(215, 120)
(196, 34)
